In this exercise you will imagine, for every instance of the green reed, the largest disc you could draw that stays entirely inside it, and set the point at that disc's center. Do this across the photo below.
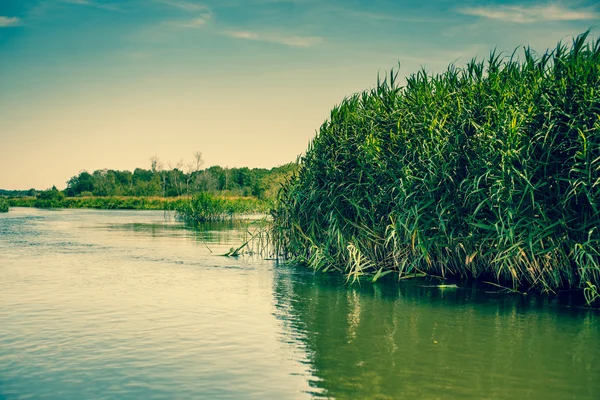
(204, 206)
(490, 170)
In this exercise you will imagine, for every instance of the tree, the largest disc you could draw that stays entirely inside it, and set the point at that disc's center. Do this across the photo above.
(192, 169)
(176, 177)
(84, 182)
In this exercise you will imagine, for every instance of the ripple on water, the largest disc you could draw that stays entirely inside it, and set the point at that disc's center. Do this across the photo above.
(128, 305)
(87, 313)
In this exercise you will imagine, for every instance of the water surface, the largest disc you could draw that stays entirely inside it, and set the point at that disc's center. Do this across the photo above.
(130, 304)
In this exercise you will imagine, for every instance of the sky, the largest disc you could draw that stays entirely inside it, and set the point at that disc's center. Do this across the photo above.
(94, 84)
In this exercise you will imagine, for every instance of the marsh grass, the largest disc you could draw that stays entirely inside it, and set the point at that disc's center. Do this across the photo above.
(488, 171)
(204, 206)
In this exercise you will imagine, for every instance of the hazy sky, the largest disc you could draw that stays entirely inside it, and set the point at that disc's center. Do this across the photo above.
(92, 84)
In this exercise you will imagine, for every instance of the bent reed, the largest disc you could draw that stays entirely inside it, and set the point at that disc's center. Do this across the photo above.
(488, 171)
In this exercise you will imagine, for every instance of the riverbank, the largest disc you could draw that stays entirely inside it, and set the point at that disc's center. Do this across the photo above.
(197, 208)
(97, 202)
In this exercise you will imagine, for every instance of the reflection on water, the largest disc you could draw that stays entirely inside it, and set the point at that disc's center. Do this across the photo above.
(215, 232)
(130, 304)
(391, 341)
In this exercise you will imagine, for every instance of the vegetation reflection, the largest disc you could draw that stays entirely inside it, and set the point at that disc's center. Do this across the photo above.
(390, 341)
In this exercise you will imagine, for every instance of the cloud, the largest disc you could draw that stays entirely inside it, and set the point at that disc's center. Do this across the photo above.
(185, 5)
(523, 14)
(243, 35)
(5, 22)
(378, 17)
(81, 2)
(203, 13)
(203, 16)
(192, 23)
(292, 41)
(90, 3)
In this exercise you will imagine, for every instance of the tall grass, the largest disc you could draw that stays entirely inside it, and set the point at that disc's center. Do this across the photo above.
(207, 207)
(488, 171)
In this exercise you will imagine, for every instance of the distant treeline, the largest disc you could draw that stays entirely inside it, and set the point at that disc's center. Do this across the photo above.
(17, 193)
(257, 182)
(180, 180)
(195, 194)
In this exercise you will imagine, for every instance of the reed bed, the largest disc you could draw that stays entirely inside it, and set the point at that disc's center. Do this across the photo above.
(491, 171)
(204, 206)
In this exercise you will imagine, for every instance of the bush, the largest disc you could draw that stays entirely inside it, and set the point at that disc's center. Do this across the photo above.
(4, 207)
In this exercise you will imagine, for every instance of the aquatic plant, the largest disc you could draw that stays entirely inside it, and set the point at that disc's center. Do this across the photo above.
(488, 170)
(204, 206)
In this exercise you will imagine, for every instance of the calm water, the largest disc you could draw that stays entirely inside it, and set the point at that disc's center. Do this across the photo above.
(128, 304)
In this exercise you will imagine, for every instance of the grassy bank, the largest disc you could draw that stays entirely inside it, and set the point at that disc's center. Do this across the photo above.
(198, 208)
(206, 207)
(4, 206)
(104, 203)
(489, 171)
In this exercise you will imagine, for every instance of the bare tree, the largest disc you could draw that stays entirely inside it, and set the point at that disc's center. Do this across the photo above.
(199, 160)
(192, 168)
(157, 166)
(174, 172)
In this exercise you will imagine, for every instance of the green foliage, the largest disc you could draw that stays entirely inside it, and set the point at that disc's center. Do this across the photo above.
(491, 170)
(17, 193)
(257, 182)
(4, 206)
(207, 207)
(52, 198)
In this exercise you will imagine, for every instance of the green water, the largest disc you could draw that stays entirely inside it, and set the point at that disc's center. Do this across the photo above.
(128, 304)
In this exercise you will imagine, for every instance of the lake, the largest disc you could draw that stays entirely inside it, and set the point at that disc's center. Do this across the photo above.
(134, 304)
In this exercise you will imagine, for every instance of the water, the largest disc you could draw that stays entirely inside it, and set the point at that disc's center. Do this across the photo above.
(128, 304)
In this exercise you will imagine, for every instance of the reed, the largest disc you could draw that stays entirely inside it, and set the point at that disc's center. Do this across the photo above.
(488, 171)
(204, 206)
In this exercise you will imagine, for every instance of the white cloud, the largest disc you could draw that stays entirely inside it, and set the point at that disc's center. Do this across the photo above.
(90, 3)
(203, 13)
(376, 17)
(185, 5)
(81, 2)
(9, 21)
(292, 41)
(243, 35)
(193, 23)
(528, 14)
